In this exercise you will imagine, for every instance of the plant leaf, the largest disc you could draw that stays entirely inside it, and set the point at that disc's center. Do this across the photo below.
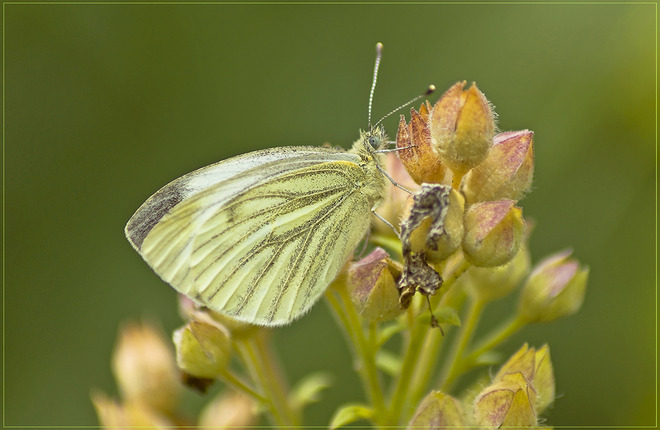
(350, 413)
(308, 390)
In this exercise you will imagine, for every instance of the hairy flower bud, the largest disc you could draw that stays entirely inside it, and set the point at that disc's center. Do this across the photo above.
(462, 127)
(143, 364)
(203, 348)
(536, 367)
(507, 402)
(372, 286)
(493, 233)
(507, 171)
(554, 289)
(420, 158)
(437, 410)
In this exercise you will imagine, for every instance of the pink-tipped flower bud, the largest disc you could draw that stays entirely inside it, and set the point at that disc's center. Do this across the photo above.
(554, 289)
(507, 171)
(143, 364)
(493, 233)
(462, 127)
(373, 288)
(437, 411)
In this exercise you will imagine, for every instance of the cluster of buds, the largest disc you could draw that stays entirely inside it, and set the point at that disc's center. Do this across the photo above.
(454, 144)
(467, 181)
(522, 389)
(149, 381)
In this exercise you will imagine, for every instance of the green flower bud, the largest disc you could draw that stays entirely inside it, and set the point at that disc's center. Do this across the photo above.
(508, 402)
(437, 410)
(493, 233)
(523, 361)
(544, 380)
(143, 364)
(536, 367)
(189, 310)
(462, 127)
(506, 173)
(492, 283)
(554, 289)
(372, 286)
(203, 348)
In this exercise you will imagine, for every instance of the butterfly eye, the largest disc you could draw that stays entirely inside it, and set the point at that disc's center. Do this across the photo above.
(374, 142)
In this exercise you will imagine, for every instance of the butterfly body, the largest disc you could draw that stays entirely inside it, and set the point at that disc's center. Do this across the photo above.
(260, 236)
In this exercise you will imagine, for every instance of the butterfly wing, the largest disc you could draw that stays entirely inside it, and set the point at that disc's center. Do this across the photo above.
(257, 237)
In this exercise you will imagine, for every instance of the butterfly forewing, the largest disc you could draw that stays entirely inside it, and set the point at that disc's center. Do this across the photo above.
(260, 236)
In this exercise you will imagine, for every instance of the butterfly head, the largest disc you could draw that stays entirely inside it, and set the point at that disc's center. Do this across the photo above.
(373, 140)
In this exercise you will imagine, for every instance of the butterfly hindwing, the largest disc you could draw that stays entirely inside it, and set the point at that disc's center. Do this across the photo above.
(260, 236)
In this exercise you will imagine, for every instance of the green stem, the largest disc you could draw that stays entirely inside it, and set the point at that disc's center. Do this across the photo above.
(238, 384)
(426, 365)
(364, 349)
(263, 366)
(434, 338)
(494, 339)
(454, 362)
(410, 362)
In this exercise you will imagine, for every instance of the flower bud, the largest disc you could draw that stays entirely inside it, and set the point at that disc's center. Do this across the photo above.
(420, 158)
(508, 402)
(462, 127)
(113, 415)
(522, 362)
(372, 286)
(507, 171)
(544, 380)
(437, 410)
(229, 410)
(189, 310)
(144, 367)
(493, 233)
(492, 283)
(554, 289)
(535, 366)
(203, 348)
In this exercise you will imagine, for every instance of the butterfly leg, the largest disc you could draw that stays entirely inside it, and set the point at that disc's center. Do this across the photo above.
(373, 210)
(395, 183)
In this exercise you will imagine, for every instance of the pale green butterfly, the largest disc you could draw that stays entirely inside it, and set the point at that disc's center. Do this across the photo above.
(259, 237)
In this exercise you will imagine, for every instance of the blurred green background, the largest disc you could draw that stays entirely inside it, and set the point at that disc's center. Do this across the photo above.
(106, 103)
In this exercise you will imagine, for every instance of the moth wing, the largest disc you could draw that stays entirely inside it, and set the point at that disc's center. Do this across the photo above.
(258, 237)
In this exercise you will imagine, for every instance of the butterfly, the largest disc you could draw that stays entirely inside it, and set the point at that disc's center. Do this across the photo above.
(260, 236)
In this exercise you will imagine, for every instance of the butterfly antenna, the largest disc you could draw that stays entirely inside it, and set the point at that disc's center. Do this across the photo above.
(379, 54)
(429, 91)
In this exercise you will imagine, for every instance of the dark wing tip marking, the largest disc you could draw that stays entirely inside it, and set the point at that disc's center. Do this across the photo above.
(150, 213)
